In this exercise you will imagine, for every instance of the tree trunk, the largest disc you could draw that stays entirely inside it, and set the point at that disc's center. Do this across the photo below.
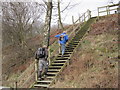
(59, 17)
(47, 24)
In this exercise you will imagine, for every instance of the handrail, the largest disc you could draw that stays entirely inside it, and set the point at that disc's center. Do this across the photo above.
(107, 9)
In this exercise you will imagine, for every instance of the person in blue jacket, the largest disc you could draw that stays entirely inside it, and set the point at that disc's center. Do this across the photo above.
(63, 38)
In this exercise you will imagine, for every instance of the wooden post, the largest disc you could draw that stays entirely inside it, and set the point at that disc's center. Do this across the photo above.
(84, 17)
(36, 69)
(107, 10)
(15, 85)
(49, 54)
(98, 12)
(89, 14)
(59, 48)
(79, 19)
(73, 19)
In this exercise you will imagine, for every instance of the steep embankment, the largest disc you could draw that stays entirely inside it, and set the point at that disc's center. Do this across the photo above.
(94, 64)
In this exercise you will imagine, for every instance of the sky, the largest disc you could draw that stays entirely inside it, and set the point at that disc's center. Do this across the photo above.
(82, 7)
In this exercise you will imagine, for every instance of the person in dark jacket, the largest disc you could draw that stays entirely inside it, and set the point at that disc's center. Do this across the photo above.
(42, 61)
(63, 38)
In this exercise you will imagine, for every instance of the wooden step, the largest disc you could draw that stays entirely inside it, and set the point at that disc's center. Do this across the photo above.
(58, 61)
(55, 67)
(72, 45)
(52, 73)
(62, 58)
(74, 42)
(44, 81)
(57, 64)
(53, 70)
(66, 53)
(50, 77)
(68, 50)
(41, 85)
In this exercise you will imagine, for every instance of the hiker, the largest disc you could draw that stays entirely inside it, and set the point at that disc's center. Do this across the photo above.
(41, 55)
(62, 39)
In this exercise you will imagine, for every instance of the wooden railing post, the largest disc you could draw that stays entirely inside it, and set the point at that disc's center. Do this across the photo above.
(98, 12)
(79, 20)
(73, 19)
(89, 14)
(49, 55)
(84, 17)
(36, 69)
(15, 85)
(107, 10)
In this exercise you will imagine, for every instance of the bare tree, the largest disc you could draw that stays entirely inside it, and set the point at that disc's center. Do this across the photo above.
(59, 16)
(60, 11)
(18, 20)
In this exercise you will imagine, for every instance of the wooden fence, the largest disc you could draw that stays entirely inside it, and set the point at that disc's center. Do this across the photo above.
(106, 10)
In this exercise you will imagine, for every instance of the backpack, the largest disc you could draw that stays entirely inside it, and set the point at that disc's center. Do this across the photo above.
(40, 53)
(66, 38)
(61, 38)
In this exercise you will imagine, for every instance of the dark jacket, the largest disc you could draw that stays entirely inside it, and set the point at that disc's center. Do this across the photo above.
(46, 54)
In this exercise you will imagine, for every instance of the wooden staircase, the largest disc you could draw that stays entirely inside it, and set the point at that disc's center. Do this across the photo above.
(60, 62)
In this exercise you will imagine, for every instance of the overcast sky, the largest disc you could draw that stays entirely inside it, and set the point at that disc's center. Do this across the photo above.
(82, 7)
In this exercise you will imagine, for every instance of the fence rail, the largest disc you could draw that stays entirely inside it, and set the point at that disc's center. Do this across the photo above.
(107, 9)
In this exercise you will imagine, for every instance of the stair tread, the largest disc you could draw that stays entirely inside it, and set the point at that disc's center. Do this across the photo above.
(52, 72)
(54, 66)
(44, 81)
(60, 60)
(53, 69)
(58, 63)
(41, 85)
(50, 77)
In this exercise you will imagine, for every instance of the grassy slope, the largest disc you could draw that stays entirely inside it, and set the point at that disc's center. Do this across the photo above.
(94, 64)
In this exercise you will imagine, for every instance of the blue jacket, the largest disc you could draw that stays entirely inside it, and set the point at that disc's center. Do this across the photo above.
(65, 39)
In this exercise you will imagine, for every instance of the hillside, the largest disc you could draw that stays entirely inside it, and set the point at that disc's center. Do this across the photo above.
(94, 64)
